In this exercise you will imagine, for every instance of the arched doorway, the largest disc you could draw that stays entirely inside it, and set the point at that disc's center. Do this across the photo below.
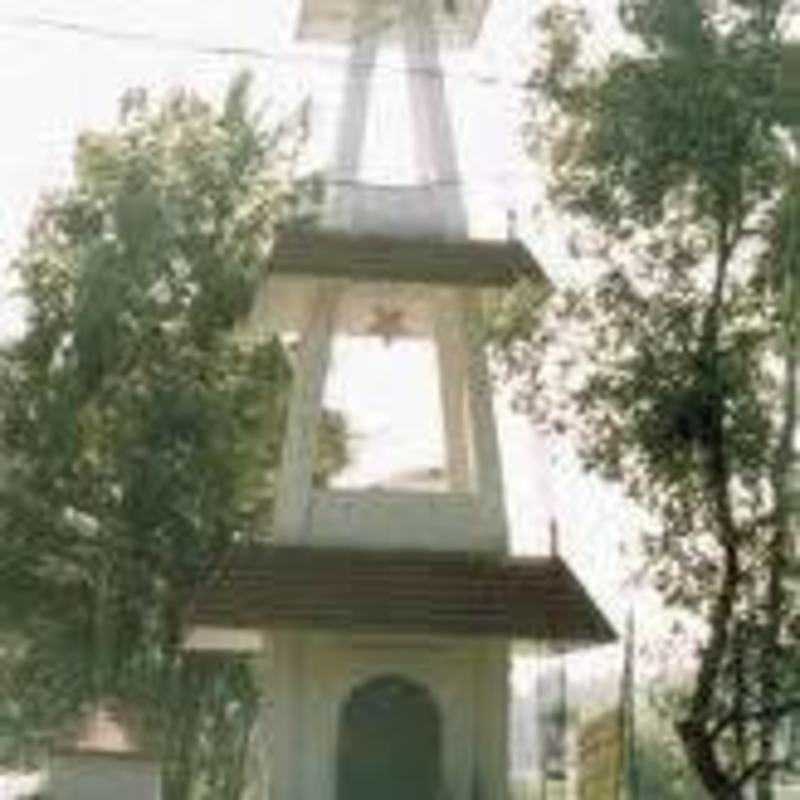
(389, 743)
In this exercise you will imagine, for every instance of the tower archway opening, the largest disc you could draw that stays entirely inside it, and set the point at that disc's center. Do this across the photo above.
(389, 743)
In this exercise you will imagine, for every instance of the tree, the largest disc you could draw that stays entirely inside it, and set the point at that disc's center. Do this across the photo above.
(140, 431)
(662, 771)
(673, 365)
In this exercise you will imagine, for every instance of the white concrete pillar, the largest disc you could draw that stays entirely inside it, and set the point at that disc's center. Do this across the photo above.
(486, 464)
(293, 496)
(452, 363)
(434, 143)
(492, 705)
(288, 689)
(350, 137)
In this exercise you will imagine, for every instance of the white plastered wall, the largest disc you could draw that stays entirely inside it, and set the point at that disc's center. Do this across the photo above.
(315, 674)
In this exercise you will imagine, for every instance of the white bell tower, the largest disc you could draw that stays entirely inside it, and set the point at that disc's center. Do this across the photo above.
(389, 613)
(400, 257)
(432, 205)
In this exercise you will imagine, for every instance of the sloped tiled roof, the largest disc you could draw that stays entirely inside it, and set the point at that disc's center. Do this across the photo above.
(470, 263)
(413, 591)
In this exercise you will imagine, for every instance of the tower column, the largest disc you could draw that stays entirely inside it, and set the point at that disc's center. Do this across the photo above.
(487, 468)
(288, 686)
(452, 361)
(433, 139)
(490, 778)
(293, 496)
(352, 128)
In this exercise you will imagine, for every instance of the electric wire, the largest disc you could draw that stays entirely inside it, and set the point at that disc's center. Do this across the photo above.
(474, 187)
(33, 22)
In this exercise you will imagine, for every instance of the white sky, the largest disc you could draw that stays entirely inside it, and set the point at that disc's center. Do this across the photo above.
(55, 84)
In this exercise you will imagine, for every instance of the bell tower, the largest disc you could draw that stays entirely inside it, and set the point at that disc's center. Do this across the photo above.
(408, 281)
(388, 614)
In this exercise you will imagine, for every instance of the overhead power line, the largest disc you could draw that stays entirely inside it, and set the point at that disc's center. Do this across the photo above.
(145, 39)
(154, 40)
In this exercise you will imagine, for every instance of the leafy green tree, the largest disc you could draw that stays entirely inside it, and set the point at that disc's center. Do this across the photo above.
(673, 365)
(141, 429)
(662, 771)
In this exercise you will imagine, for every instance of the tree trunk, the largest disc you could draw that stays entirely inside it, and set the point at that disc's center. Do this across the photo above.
(700, 751)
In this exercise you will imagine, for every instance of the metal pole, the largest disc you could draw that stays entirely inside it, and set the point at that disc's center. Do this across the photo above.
(629, 708)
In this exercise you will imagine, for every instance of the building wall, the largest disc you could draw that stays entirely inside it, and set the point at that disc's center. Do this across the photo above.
(104, 777)
(314, 675)
(412, 211)
(401, 518)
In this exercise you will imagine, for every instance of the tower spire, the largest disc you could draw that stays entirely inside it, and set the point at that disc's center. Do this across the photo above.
(433, 204)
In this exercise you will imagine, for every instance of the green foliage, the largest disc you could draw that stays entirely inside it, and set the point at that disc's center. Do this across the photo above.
(662, 770)
(141, 429)
(672, 366)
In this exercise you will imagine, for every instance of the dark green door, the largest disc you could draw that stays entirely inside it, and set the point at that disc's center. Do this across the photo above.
(389, 743)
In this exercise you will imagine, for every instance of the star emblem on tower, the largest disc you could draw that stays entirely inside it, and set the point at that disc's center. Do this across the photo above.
(388, 323)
